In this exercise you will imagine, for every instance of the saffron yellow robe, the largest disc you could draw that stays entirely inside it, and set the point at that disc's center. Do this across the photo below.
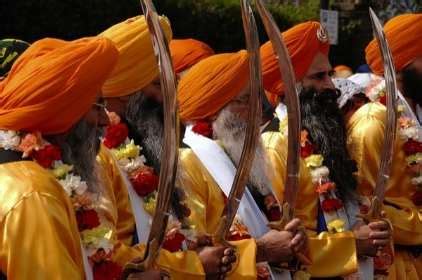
(39, 234)
(206, 202)
(365, 131)
(331, 254)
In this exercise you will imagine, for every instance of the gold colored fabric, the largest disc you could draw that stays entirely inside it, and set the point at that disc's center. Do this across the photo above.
(136, 66)
(116, 208)
(331, 254)
(39, 236)
(365, 132)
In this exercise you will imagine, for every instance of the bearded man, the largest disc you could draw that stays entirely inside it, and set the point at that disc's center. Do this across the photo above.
(366, 129)
(328, 202)
(135, 75)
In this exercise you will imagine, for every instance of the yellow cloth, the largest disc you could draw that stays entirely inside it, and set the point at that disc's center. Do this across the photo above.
(303, 42)
(206, 202)
(185, 53)
(137, 66)
(331, 254)
(404, 35)
(365, 132)
(38, 231)
(54, 83)
(116, 208)
(211, 84)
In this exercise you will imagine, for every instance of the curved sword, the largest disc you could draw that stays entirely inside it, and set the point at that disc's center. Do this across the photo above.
(169, 155)
(391, 125)
(254, 120)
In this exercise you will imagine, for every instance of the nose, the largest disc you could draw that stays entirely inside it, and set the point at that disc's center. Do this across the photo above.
(328, 83)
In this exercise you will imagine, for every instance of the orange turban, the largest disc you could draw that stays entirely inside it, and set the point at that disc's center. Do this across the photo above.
(211, 84)
(54, 83)
(303, 42)
(137, 66)
(188, 52)
(404, 36)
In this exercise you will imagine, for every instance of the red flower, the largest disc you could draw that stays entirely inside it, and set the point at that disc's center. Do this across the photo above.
(47, 155)
(144, 181)
(262, 272)
(107, 270)
(87, 219)
(115, 135)
(173, 241)
(203, 128)
(306, 150)
(331, 204)
(383, 99)
(417, 198)
(412, 147)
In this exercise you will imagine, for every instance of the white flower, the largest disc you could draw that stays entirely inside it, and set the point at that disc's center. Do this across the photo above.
(9, 140)
(410, 132)
(130, 165)
(73, 183)
(319, 173)
(417, 180)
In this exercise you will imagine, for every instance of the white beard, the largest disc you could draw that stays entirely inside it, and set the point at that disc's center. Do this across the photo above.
(231, 131)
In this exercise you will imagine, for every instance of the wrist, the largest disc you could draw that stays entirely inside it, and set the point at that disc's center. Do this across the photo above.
(260, 251)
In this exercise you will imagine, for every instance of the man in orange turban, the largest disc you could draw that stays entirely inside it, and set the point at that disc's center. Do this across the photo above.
(325, 159)
(49, 113)
(213, 103)
(366, 130)
(187, 52)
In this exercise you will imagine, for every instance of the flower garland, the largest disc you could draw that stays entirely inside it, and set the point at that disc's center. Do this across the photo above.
(95, 235)
(145, 181)
(324, 187)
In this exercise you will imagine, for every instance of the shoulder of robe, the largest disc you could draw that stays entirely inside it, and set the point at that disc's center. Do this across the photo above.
(19, 180)
(368, 114)
(273, 140)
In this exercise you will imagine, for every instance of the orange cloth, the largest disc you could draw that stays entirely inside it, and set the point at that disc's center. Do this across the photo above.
(303, 42)
(404, 36)
(54, 83)
(186, 53)
(137, 65)
(211, 84)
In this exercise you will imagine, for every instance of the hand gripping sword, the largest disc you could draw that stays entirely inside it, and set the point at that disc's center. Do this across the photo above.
(169, 155)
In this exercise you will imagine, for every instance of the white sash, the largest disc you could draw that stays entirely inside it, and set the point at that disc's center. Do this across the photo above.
(223, 171)
(87, 267)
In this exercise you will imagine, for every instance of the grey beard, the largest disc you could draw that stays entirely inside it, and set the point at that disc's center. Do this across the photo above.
(80, 148)
(231, 131)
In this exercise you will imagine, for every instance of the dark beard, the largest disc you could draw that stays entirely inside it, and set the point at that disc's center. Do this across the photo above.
(80, 148)
(146, 126)
(412, 84)
(324, 122)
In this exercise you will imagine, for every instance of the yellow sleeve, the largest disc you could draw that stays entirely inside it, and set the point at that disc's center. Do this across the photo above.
(366, 138)
(325, 246)
(40, 240)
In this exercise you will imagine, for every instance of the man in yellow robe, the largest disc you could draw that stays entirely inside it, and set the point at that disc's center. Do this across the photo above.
(135, 77)
(213, 98)
(39, 230)
(327, 196)
(365, 130)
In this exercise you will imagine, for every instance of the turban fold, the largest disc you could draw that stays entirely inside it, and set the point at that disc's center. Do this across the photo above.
(186, 53)
(137, 66)
(303, 43)
(10, 49)
(404, 36)
(211, 84)
(54, 83)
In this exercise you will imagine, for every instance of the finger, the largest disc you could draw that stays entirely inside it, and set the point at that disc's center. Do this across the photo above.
(297, 238)
(379, 235)
(225, 260)
(226, 268)
(300, 247)
(380, 225)
(228, 251)
(380, 242)
(292, 225)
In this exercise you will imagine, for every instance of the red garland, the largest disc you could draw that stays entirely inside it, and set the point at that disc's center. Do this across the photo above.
(203, 128)
(47, 155)
(87, 219)
(331, 204)
(306, 150)
(107, 270)
(417, 198)
(173, 241)
(412, 147)
(115, 135)
(144, 181)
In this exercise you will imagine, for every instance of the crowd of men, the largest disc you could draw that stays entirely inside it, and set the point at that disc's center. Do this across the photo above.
(81, 133)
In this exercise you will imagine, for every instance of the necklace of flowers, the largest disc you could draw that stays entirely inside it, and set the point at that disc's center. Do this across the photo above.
(144, 180)
(95, 234)
(324, 187)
